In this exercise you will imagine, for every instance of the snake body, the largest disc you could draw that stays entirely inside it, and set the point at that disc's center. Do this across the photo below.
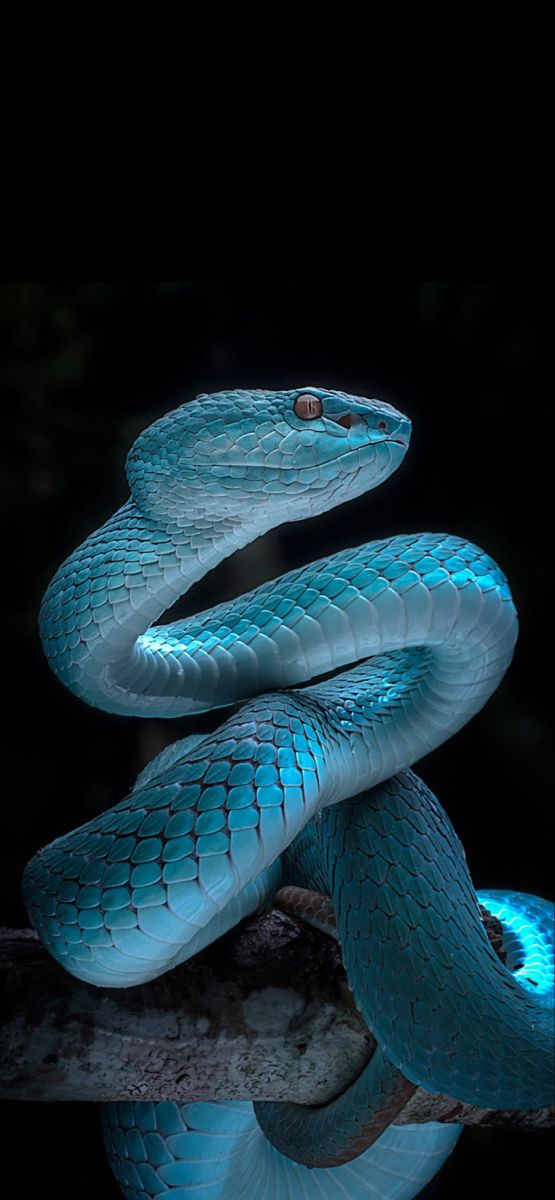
(308, 785)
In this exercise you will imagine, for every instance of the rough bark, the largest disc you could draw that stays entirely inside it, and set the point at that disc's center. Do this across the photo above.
(263, 1014)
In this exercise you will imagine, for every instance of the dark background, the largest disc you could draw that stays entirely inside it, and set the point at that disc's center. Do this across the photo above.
(83, 368)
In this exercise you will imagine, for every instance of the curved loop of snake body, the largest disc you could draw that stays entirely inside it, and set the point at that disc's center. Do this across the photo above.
(429, 623)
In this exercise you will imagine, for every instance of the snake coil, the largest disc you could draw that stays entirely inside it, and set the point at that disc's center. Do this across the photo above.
(305, 785)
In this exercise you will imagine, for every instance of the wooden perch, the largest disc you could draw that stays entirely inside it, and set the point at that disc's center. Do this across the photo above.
(263, 1014)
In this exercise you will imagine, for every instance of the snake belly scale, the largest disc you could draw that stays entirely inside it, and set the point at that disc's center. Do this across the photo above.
(307, 785)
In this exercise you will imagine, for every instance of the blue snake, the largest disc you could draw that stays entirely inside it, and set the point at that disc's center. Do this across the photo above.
(306, 785)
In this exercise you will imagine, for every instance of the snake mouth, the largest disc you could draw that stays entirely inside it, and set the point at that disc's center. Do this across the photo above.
(348, 448)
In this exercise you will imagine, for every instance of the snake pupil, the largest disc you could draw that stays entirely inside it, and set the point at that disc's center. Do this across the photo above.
(308, 407)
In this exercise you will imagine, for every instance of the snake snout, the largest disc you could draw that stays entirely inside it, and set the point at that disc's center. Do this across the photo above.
(381, 422)
(402, 433)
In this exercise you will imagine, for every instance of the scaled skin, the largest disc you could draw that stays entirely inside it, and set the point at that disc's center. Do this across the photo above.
(197, 844)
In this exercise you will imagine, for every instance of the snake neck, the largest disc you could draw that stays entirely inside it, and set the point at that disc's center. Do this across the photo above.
(98, 610)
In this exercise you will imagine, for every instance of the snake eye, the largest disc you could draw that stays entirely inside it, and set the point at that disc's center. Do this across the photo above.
(308, 407)
(382, 424)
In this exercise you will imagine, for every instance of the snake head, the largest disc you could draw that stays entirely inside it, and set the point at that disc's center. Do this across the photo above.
(265, 457)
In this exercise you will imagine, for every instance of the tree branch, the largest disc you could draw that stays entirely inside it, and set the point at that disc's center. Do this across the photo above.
(264, 1014)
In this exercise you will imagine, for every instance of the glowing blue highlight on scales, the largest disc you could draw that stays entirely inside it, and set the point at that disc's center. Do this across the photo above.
(528, 928)
(188, 854)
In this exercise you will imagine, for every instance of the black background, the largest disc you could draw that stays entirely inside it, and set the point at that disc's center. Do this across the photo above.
(83, 368)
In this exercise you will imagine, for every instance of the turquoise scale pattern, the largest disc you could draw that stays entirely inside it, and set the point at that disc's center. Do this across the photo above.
(206, 479)
(528, 940)
(319, 617)
(196, 846)
(126, 897)
(443, 1008)
(162, 1158)
(166, 1151)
